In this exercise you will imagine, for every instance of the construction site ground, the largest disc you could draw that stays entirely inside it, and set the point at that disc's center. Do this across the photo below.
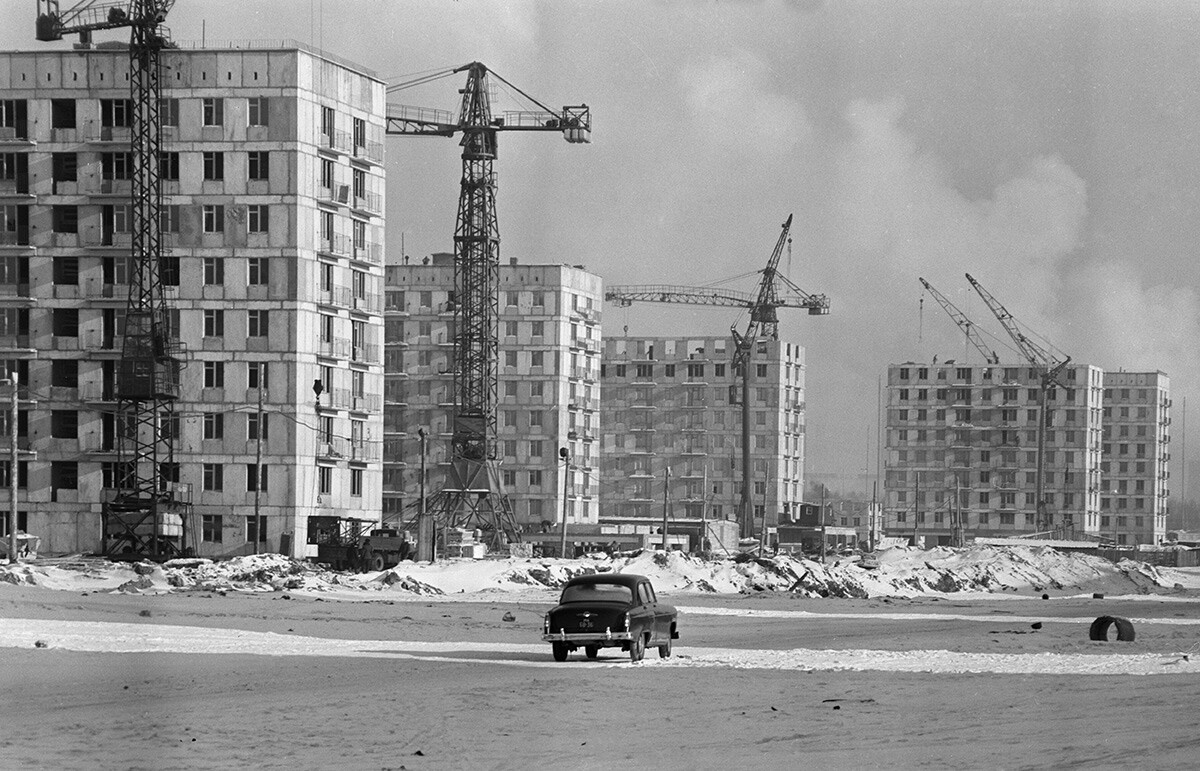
(764, 680)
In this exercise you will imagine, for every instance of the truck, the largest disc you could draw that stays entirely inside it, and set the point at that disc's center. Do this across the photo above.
(357, 545)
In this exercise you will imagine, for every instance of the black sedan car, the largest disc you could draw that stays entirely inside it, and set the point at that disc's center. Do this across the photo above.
(610, 610)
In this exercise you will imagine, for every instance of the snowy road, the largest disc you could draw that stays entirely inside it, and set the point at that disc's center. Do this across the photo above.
(108, 637)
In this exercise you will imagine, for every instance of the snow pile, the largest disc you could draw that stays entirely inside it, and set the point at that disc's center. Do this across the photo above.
(901, 572)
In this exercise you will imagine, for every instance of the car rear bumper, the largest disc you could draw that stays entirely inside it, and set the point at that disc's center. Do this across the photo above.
(584, 638)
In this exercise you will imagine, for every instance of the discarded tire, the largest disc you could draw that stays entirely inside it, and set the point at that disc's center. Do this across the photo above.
(1100, 627)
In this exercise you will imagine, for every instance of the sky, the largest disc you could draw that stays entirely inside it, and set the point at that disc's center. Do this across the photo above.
(1048, 148)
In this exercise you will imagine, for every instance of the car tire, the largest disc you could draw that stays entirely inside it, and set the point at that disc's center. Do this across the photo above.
(376, 561)
(637, 648)
(664, 650)
(560, 651)
(592, 651)
(1099, 628)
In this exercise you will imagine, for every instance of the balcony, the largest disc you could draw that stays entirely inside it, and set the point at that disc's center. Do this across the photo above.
(367, 354)
(16, 187)
(368, 303)
(15, 294)
(369, 252)
(337, 348)
(371, 151)
(15, 135)
(17, 346)
(115, 134)
(122, 188)
(338, 246)
(370, 203)
(337, 141)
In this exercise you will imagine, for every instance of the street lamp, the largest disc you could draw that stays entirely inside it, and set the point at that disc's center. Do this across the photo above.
(565, 454)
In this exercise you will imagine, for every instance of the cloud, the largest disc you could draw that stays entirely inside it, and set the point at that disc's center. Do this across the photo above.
(733, 102)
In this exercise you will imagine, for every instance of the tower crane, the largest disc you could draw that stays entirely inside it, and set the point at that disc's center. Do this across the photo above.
(473, 491)
(144, 518)
(764, 322)
(964, 323)
(1048, 367)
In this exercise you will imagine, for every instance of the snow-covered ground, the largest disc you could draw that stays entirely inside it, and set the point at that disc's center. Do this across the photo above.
(902, 572)
(109, 637)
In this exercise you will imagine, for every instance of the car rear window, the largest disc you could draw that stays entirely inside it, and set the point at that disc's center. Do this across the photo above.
(596, 593)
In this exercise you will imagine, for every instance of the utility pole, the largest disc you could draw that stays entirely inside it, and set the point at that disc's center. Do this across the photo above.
(822, 523)
(871, 517)
(565, 454)
(666, 495)
(258, 426)
(424, 526)
(12, 472)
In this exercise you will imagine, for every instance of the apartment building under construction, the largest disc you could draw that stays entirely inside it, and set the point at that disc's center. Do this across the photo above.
(548, 394)
(273, 186)
(672, 430)
(962, 453)
(1135, 456)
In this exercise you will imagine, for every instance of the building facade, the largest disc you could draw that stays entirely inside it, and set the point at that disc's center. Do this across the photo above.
(672, 429)
(548, 394)
(1135, 457)
(961, 452)
(273, 223)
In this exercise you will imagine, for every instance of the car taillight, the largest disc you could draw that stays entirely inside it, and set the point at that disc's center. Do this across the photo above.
(546, 624)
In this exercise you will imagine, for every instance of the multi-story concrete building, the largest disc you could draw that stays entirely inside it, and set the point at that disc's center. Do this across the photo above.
(961, 450)
(273, 219)
(547, 396)
(1135, 455)
(673, 405)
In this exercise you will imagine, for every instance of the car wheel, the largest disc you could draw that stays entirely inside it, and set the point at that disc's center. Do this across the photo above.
(592, 651)
(376, 562)
(560, 651)
(664, 650)
(637, 648)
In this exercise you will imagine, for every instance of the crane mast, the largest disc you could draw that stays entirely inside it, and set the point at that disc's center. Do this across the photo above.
(763, 308)
(144, 517)
(473, 493)
(1048, 368)
(965, 324)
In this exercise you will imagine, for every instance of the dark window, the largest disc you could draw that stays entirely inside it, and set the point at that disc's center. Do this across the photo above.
(214, 270)
(168, 270)
(64, 474)
(214, 166)
(64, 373)
(64, 424)
(66, 270)
(65, 167)
(168, 166)
(262, 477)
(116, 165)
(66, 219)
(260, 165)
(257, 218)
(213, 111)
(256, 528)
(62, 113)
(257, 112)
(214, 425)
(210, 528)
(214, 476)
(257, 270)
(168, 112)
(116, 112)
(66, 322)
